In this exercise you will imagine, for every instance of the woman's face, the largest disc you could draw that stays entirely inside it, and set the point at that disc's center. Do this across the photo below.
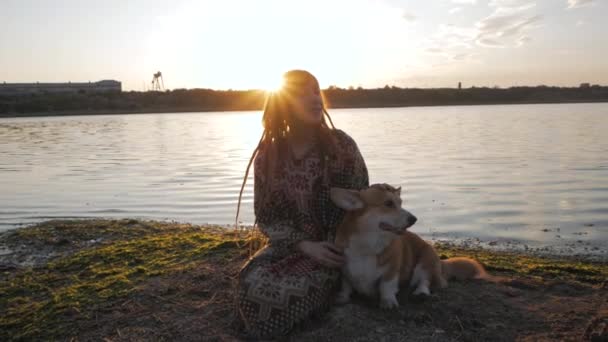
(306, 102)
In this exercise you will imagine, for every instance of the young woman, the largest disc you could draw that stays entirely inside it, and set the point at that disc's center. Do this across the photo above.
(299, 157)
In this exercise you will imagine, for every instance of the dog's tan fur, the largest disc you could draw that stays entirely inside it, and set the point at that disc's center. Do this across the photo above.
(381, 255)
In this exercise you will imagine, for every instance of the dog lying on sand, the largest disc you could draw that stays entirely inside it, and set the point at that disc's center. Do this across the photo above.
(382, 256)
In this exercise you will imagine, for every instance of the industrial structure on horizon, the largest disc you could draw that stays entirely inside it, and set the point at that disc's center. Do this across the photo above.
(69, 87)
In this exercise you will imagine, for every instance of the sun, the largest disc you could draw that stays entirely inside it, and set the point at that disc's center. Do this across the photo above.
(273, 85)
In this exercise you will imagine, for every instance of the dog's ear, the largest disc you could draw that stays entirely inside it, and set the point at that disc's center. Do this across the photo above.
(346, 199)
(399, 191)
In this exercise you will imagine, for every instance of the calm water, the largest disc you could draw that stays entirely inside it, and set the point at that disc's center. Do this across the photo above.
(537, 174)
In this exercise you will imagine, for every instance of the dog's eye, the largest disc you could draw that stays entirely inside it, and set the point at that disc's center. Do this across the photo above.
(389, 203)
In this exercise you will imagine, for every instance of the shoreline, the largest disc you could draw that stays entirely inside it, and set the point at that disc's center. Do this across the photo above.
(578, 250)
(207, 110)
(132, 279)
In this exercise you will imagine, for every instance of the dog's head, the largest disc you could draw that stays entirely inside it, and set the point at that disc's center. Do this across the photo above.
(375, 208)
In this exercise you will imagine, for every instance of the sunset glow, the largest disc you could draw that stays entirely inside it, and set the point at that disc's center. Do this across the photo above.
(238, 44)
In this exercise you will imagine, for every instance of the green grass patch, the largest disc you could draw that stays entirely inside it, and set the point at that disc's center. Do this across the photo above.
(48, 302)
(41, 302)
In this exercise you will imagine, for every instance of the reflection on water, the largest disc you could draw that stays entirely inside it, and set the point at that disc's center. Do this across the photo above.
(516, 172)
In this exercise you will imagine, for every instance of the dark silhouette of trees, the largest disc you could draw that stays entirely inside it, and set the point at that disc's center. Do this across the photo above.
(180, 100)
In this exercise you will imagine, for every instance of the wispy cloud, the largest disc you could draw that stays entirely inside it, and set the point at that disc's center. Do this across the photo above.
(452, 36)
(523, 40)
(409, 16)
(462, 56)
(470, 2)
(434, 50)
(507, 26)
(579, 3)
(511, 3)
(489, 42)
(452, 43)
(455, 10)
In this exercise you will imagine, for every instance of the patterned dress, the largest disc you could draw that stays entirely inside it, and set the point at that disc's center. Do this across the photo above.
(279, 286)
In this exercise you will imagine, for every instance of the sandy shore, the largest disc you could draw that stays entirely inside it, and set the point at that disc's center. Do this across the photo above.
(125, 280)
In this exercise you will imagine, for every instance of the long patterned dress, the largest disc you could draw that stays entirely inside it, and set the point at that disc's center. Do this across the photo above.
(279, 286)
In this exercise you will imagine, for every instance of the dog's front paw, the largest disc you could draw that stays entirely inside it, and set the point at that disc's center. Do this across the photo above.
(389, 303)
(422, 290)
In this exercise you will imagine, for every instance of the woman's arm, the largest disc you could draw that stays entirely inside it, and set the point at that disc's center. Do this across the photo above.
(281, 232)
(351, 173)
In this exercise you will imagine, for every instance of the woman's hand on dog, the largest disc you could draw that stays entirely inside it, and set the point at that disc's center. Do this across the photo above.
(324, 252)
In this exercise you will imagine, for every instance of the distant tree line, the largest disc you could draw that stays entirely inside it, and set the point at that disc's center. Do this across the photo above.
(181, 100)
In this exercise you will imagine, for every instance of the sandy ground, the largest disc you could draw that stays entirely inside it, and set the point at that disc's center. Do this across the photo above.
(189, 296)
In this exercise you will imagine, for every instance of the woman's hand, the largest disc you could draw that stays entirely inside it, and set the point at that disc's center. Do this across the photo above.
(326, 253)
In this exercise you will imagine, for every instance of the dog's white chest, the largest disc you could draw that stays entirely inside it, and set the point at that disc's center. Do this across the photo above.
(361, 266)
(362, 271)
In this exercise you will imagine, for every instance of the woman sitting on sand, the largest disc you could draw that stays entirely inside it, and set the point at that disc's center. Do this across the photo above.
(298, 158)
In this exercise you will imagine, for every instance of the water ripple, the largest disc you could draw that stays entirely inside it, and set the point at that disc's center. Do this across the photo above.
(474, 171)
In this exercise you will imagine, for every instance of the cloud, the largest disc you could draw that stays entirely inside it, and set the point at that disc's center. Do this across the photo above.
(455, 10)
(579, 3)
(468, 2)
(451, 44)
(523, 40)
(512, 4)
(451, 37)
(489, 42)
(508, 3)
(434, 50)
(507, 26)
(409, 16)
(461, 56)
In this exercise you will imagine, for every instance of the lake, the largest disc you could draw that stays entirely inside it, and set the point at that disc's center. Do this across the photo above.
(533, 176)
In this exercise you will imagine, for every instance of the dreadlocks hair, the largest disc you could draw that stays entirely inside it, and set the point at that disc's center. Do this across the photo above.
(278, 122)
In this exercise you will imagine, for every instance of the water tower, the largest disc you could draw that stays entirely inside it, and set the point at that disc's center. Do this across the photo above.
(157, 82)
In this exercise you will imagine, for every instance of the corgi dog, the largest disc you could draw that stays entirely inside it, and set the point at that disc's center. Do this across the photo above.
(381, 255)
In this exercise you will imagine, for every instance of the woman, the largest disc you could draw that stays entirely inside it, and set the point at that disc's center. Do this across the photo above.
(298, 158)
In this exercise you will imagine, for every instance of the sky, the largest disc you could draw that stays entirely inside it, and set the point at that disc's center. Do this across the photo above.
(247, 44)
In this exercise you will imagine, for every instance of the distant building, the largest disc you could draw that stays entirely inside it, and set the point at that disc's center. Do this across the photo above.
(70, 87)
(459, 85)
(585, 85)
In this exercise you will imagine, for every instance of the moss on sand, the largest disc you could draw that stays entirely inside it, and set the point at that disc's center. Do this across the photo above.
(59, 274)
